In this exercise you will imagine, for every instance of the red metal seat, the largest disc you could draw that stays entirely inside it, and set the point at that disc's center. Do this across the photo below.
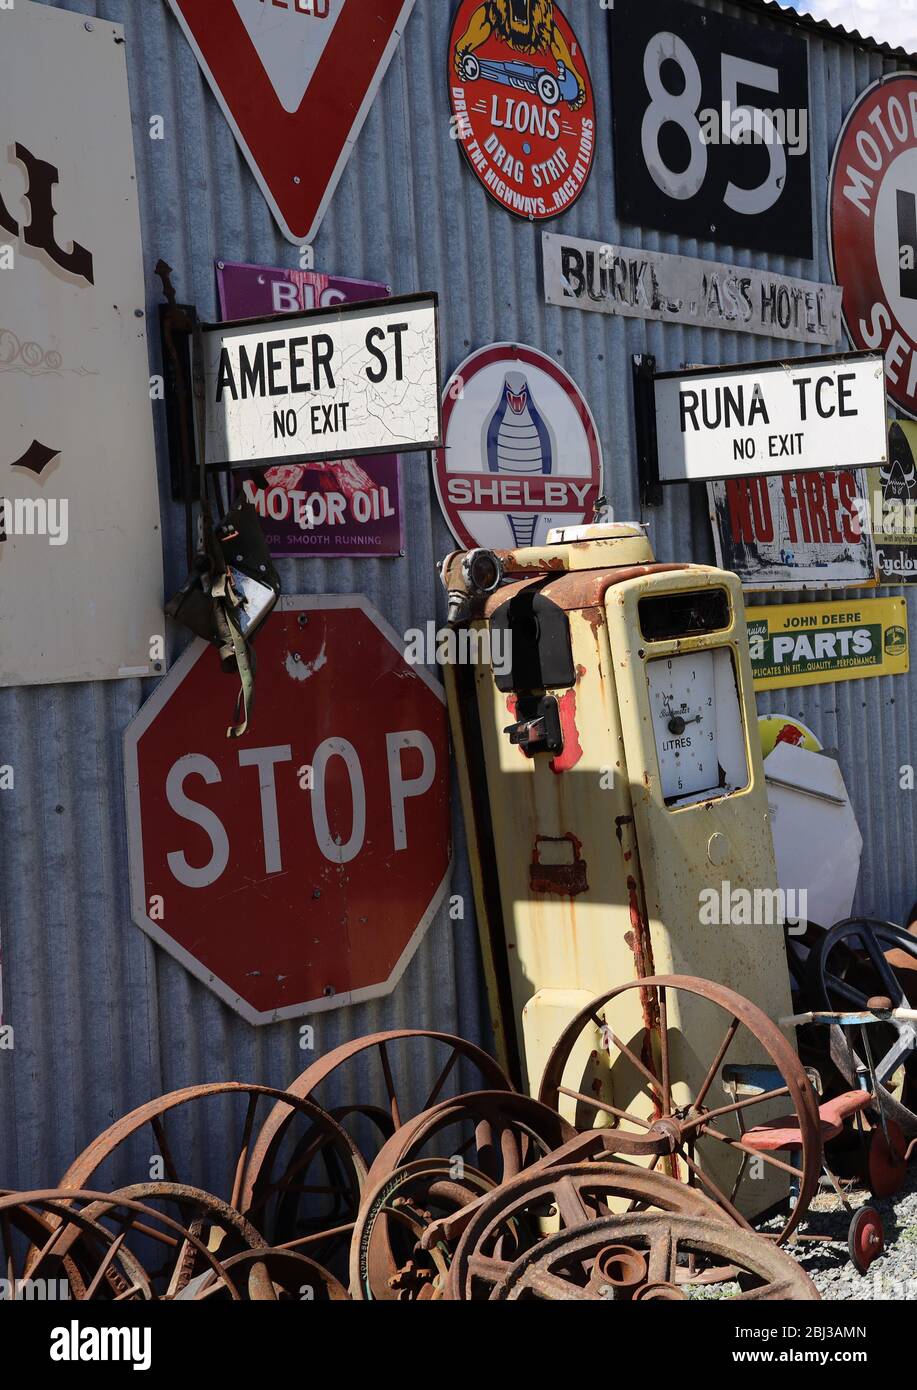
(783, 1132)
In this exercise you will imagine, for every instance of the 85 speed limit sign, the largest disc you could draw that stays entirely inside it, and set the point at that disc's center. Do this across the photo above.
(711, 126)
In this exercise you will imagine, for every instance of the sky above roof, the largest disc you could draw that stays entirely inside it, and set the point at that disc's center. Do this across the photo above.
(888, 21)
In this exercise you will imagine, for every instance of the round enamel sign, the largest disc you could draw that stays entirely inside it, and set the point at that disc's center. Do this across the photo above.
(872, 208)
(521, 453)
(522, 104)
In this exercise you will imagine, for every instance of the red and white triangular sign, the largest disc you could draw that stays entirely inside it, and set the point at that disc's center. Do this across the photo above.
(295, 79)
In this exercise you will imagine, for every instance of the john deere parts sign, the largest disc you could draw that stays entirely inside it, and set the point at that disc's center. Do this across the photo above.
(810, 643)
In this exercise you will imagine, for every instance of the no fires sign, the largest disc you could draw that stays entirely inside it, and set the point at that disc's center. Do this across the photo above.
(297, 868)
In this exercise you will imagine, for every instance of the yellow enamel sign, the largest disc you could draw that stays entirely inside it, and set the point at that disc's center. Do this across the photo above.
(810, 643)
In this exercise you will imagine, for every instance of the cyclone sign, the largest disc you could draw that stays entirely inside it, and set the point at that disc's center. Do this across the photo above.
(522, 104)
(521, 453)
(872, 209)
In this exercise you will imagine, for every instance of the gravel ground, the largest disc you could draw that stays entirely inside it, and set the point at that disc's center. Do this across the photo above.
(890, 1278)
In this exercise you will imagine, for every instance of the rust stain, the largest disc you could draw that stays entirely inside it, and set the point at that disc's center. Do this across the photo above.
(593, 617)
(564, 879)
(572, 749)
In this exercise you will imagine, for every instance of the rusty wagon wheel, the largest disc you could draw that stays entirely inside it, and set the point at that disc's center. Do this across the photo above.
(516, 1216)
(620, 1065)
(328, 1175)
(497, 1132)
(387, 1259)
(294, 1278)
(394, 1055)
(97, 1232)
(573, 1265)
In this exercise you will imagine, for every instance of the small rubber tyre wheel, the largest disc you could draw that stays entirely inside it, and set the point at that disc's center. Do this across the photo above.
(865, 1238)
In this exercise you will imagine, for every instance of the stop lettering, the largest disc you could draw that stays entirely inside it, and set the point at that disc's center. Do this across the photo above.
(296, 868)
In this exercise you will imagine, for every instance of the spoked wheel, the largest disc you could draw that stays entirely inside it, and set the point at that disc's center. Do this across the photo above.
(517, 1216)
(124, 1247)
(498, 1133)
(865, 1238)
(846, 970)
(294, 1278)
(387, 1259)
(389, 1061)
(645, 1059)
(563, 1267)
(324, 1184)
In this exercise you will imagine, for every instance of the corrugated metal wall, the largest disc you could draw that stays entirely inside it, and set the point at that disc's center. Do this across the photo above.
(102, 1019)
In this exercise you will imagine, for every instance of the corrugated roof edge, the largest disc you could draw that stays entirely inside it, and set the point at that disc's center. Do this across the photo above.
(799, 20)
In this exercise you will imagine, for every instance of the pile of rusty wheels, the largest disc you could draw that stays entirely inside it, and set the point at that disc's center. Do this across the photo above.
(625, 1179)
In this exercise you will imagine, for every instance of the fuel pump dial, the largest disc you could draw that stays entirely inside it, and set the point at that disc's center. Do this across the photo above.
(695, 716)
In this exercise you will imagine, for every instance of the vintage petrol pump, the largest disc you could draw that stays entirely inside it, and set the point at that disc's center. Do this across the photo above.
(611, 773)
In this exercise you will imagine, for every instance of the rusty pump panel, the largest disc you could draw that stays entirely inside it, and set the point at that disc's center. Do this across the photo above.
(611, 773)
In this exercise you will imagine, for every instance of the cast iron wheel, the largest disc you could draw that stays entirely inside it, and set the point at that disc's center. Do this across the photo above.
(513, 1219)
(394, 1052)
(865, 1238)
(846, 970)
(387, 1260)
(560, 1268)
(671, 1129)
(97, 1232)
(498, 1132)
(327, 1177)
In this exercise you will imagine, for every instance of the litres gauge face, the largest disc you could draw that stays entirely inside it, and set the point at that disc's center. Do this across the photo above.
(697, 724)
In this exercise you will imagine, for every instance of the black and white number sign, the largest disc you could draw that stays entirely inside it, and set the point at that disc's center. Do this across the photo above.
(711, 126)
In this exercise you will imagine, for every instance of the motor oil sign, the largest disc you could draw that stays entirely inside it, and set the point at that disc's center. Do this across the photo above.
(872, 208)
(811, 643)
(339, 507)
(521, 453)
(522, 104)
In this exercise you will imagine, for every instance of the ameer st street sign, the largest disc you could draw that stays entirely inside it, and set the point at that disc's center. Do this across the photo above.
(334, 383)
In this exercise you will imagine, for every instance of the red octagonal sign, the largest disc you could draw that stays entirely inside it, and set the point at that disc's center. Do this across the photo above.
(296, 868)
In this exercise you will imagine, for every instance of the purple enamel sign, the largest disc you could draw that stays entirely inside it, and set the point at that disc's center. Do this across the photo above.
(345, 508)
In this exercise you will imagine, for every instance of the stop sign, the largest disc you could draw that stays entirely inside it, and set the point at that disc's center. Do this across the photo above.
(295, 868)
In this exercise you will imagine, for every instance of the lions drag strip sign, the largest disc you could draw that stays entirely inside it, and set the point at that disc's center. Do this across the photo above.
(770, 417)
(349, 381)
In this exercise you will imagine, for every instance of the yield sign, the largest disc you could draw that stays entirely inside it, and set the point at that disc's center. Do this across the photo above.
(295, 79)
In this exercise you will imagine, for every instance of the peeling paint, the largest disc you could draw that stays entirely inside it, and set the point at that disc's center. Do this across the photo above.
(572, 750)
(299, 670)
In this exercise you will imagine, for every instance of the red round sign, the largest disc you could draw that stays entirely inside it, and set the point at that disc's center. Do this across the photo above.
(522, 454)
(872, 210)
(522, 103)
(296, 868)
